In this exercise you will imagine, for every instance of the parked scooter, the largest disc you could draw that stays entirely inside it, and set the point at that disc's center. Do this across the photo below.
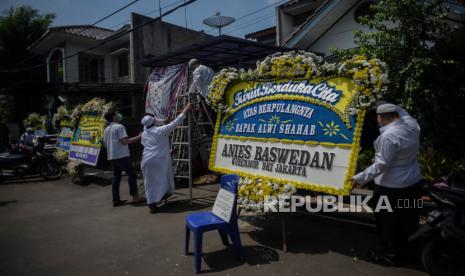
(22, 161)
(442, 237)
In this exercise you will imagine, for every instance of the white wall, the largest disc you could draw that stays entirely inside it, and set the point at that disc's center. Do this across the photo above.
(285, 27)
(108, 68)
(341, 35)
(72, 63)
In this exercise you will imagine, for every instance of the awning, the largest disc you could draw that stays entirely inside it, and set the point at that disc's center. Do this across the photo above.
(218, 52)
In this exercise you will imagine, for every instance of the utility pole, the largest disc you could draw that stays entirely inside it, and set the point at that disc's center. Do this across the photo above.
(185, 14)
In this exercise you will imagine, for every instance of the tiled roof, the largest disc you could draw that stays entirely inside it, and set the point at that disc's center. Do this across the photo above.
(84, 31)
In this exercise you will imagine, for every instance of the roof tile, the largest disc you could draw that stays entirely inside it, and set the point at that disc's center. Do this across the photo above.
(85, 31)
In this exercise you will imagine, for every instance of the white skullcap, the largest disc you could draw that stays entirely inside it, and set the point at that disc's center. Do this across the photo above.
(386, 108)
(192, 62)
(147, 120)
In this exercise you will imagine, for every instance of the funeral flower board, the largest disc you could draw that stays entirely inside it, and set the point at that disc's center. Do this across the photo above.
(290, 131)
(87, 139)
(64, 136)
(292, 122)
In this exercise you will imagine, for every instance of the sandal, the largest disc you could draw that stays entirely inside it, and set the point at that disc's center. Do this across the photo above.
(166, 196)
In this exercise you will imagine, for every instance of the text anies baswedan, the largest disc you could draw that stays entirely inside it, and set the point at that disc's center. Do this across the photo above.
(279, 160)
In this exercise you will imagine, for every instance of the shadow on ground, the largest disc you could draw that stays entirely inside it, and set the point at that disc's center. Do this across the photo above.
(227, 258)
(315, 235)
(95, 179)
(6, 202)
(176, 205)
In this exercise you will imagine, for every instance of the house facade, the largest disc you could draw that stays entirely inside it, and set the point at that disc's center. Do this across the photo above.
(69, 57)
(321, 25)
(84, 61)
(89, 54)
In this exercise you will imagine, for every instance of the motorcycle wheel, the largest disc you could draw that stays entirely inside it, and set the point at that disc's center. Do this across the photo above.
(442, 258)
(50, 170)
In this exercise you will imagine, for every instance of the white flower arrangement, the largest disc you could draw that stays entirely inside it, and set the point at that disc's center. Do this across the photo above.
(369, 75)
(252, 192)
(35, 121)
(61, 114)
(96, 105)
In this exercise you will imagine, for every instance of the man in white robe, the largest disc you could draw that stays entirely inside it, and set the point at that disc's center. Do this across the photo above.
(156, 163)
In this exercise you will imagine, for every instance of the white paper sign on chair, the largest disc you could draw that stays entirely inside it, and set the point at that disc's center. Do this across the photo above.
(224, 204)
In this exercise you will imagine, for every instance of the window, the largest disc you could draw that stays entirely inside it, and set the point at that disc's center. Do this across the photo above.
(91, 68)
(55, 66)
(298, 19)
(123, 67)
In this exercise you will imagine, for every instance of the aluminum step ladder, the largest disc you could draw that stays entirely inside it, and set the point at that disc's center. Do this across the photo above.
(195, 132)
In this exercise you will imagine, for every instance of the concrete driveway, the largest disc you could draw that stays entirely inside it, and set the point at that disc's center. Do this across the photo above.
(60, 228)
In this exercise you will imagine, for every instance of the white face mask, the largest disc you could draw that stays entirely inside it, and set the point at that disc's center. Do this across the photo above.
(120, 117)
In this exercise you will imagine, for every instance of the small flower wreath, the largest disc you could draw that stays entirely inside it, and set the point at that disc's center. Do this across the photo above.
(35, 120)
(96, 105)
(61, 114)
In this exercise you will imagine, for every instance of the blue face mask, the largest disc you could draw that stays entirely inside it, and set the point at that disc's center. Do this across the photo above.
(120, 117)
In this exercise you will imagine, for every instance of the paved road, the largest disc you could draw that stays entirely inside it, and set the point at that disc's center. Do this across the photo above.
(59, 228)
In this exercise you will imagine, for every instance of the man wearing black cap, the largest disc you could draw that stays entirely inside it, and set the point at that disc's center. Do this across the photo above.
(397, 176)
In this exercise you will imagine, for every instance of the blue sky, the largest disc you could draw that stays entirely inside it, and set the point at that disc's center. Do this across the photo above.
(72, 12)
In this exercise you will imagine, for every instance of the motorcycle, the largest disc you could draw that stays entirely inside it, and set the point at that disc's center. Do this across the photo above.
(20, 161)
(442, 237)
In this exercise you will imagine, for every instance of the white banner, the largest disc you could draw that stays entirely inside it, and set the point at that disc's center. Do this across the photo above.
(300, 163)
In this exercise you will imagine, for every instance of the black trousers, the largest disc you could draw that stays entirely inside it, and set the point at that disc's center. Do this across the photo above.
(394, 228)
(119, 165)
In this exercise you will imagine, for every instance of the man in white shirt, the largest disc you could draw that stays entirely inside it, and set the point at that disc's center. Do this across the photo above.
(202, 76)
(116, 142)
(397, 176)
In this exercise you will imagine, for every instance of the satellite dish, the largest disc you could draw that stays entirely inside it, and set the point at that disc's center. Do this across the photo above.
(218, 21)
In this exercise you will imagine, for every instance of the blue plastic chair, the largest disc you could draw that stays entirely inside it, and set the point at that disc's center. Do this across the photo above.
(201, 222)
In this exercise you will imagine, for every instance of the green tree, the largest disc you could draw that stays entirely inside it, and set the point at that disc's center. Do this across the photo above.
(426, 73)
(20, 27)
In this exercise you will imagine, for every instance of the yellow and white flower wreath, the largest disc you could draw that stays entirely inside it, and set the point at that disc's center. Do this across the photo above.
(370, 77)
